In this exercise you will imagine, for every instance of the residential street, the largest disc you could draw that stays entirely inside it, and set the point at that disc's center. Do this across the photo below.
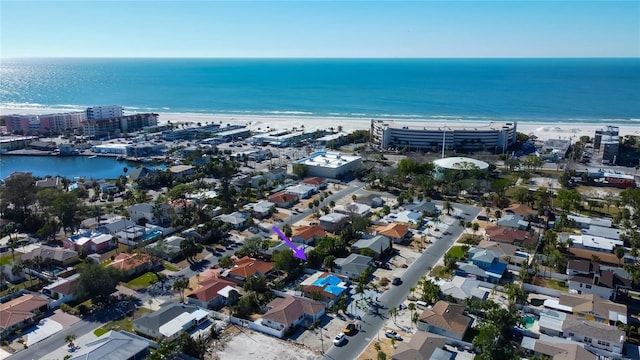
(44, 348)
(372, 323)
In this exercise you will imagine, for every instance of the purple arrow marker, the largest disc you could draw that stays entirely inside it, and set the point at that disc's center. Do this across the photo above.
(299, 253)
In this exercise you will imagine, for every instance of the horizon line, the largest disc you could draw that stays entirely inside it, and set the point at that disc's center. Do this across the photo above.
(323, 57)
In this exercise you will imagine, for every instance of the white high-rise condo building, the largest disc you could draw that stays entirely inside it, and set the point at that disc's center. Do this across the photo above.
(104, 112)
(494, 136)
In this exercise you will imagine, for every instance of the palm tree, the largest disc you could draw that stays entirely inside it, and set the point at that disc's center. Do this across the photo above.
(69, 339)
(414, 318)
(393, 312)
(447, 207)
(180, 285)
(412, 308)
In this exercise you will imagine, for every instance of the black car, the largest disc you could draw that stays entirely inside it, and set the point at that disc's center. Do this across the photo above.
(396, 281)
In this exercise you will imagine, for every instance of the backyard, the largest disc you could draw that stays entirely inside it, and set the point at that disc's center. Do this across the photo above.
(143, 281)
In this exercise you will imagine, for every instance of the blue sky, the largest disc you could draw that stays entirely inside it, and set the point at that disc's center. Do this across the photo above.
(320, 29)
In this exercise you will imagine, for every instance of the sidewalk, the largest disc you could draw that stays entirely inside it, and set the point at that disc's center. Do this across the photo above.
(63, 350)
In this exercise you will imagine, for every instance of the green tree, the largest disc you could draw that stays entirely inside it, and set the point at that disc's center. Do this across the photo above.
(254, 246)
(568, 200)
(300, 170)
(180, 285)
(284, 260)
(189, 248)
(67, 206)
(20, 190)
(430, 291)
(329, 262)
(447, 207)
(192, 347)
(97, 282)
(256, 283)
(225, 262)
(287, 231)
(619, 252)
(516, 294)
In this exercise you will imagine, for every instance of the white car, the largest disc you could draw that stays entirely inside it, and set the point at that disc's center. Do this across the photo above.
(339, 339)
(393, 335)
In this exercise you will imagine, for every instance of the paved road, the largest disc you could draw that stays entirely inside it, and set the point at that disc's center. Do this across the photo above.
(47, 346)
(372, 323)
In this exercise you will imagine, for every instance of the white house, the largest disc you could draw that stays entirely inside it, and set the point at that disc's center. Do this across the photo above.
(594, 334)
(156, 214)
(170, 320)
(333, 222)
(303, 191)
(61, 290)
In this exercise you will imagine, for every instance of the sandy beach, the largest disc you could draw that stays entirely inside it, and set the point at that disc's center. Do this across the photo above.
(543, 131)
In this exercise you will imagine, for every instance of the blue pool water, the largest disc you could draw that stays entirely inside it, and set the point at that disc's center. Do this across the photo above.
(528, 321)
(152, 235)
(335, 290)
(329, 280)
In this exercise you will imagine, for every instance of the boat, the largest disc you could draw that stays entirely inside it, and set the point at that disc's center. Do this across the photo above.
(121, 158)
(93, 156)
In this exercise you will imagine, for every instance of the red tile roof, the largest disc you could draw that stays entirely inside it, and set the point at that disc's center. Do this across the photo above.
(20, 309)
(507, 235)
(393, 230)
(246, 267)
(282, 197)
(287, 310)
(126, 261)
(210, 288)
(314, 181)
(309, 232)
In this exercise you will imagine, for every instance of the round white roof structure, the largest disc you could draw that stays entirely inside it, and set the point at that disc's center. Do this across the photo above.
(461, 163)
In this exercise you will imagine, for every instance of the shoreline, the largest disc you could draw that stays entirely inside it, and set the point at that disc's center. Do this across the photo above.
(541, 129)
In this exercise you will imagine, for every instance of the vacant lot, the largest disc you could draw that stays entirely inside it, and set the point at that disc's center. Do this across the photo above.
(252, 345)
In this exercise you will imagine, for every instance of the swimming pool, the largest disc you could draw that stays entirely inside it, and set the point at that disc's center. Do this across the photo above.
(152, 235)
(529, 320)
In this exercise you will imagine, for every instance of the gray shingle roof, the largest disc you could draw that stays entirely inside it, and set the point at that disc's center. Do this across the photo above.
(166, 313)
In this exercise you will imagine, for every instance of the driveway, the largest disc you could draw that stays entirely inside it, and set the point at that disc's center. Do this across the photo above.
(44, 329)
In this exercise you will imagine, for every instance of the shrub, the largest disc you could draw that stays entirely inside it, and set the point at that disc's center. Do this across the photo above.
(384, 281)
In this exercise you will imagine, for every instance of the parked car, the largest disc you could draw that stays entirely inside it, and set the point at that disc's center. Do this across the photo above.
(339, 339)
(392, 335)
(350, 329)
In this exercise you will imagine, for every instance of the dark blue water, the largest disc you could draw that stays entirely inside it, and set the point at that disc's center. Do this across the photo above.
(586, 90)
(65, 166)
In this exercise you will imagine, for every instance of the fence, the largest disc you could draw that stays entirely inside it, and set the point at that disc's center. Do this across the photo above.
(257, 326)
(541, 290)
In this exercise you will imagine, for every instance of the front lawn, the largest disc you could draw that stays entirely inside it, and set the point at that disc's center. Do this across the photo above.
(5, 260)
(456, 252)
(441, 272)
(170, 267)
(143, 281)
(552, 283)
(123, 324)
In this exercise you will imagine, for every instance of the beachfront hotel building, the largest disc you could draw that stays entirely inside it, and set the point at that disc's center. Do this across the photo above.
(494, 136)
(112, 126)
(326, 164)
(104, 112)
(44, 124)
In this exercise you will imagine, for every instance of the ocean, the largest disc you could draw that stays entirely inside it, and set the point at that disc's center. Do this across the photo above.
(531, 90)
